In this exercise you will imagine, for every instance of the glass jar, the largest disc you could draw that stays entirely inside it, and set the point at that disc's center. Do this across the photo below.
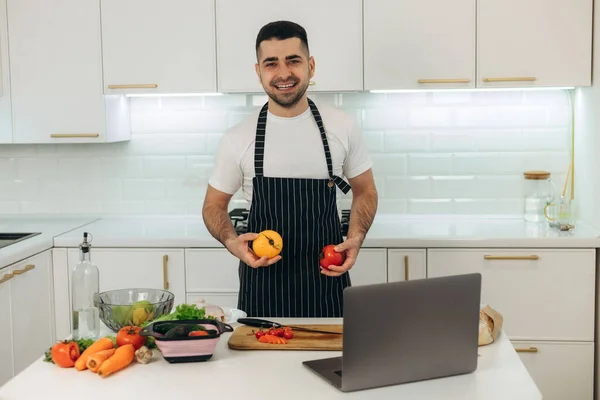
(539, 192)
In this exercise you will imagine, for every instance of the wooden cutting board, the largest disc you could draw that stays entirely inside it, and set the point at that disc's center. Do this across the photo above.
(243, 338)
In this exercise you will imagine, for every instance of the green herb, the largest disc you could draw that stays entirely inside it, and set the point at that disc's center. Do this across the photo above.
(182, 312)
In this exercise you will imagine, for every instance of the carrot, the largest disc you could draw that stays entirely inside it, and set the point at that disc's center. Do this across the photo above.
(95, 360)
(99, 345)
(123, 356)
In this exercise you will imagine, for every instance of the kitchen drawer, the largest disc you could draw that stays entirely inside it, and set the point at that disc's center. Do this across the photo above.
(209, 270)
(543, 294)
(561, 370)
(223, 300)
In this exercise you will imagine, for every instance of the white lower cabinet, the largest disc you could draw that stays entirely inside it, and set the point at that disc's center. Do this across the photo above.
(543, 294)
(406, 264)
(370, 267)
(547, 300)
(26, 312)
(6, 346)
(561, 370)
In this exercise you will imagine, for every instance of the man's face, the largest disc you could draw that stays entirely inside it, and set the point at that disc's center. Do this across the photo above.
(284, 69)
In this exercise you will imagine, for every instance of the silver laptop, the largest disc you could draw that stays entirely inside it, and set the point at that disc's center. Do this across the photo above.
(403, 332)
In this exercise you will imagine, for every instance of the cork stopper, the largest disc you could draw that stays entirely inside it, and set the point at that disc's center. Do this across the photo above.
(536, 175)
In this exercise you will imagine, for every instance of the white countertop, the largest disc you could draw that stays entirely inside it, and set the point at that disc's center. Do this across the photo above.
(386, 231)
(49, 227)
(261, 374)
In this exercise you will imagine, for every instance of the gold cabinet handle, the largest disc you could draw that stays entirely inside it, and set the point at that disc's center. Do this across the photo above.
(22, 271)
(406, 268)
(532, 257)
(166, 272)
(527, 350)
(134, 86)
(312, 83)
(444, 80)
(6, 277)
(74, 135)
(511, 79)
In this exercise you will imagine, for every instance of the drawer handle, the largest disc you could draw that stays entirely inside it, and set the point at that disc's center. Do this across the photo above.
(22, 271)
(513, 79)
(73, 135)
(134, 86)
(166, 272)
(532, 257)
(444, 80)
(6, 278)
(406, 268)
(527, 350)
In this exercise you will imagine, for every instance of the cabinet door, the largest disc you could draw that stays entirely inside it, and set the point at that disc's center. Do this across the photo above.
(419, 44)
(334, 30)
(561, 370)
(542, 294)
(138, 268)
(6, 344)
(406, 264)
(157, 46)
(534, 43)
(6, 134)
(56, 73)
(370, 267)
(32, 309)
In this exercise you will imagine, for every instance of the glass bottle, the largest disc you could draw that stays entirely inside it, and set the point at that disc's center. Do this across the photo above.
(85, 283)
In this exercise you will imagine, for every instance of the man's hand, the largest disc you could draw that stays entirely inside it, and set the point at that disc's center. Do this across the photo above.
(351, 246)
(238, 246)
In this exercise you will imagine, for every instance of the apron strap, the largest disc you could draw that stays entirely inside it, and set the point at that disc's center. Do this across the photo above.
(342, 184)
(259, 146)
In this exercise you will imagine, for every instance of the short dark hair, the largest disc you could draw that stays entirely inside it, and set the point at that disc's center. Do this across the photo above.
(281, 30)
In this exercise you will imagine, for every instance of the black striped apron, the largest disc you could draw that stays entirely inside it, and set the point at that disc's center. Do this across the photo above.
(304, 213)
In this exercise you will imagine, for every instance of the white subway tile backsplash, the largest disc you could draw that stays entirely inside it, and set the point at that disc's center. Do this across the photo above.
(429, 164)
(433, 153)
(403, 187)
(450, 140)
(9, 207)
(406, 141)
(430, 206)
(448, 186)
(431, 117)
(163, 167)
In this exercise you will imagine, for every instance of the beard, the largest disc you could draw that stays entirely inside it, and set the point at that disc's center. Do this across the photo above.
(289, 99)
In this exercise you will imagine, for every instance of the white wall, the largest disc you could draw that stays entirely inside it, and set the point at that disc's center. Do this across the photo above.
(434, 152)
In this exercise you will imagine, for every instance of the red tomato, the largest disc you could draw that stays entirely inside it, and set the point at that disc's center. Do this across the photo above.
(130, 335)
(280, 332)
(273, 332)
(64, 354)
(259, 334)
(331, 257)
(198, 333)
(288, 334)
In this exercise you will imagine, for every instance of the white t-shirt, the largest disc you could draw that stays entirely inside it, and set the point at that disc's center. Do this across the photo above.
(293, 149)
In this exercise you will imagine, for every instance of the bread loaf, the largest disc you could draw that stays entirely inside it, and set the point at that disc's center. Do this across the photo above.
(490, 325)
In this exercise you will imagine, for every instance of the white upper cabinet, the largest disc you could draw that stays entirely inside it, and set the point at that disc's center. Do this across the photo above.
(523, 43)
(158, 46)
(5, 106)
(334, 30)
(56, 74)
(419, 44)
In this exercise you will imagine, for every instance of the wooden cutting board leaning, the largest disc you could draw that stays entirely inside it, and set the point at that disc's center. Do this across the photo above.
(243, 338)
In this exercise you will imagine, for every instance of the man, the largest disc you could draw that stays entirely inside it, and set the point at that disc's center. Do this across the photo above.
(288, 160)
